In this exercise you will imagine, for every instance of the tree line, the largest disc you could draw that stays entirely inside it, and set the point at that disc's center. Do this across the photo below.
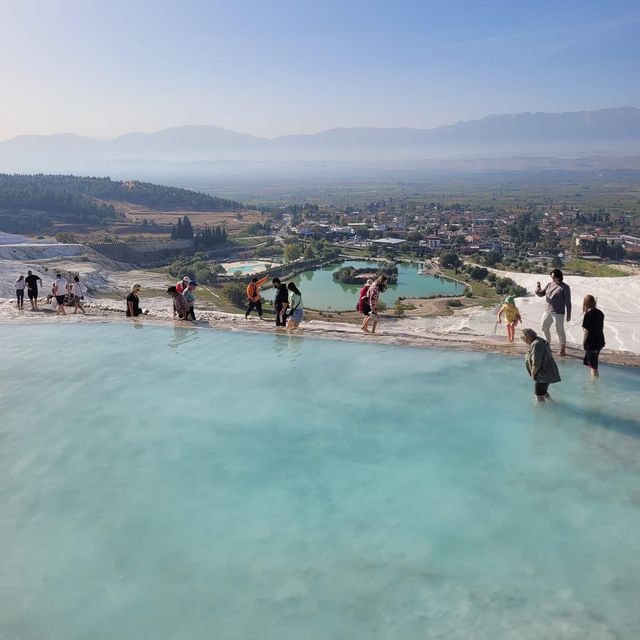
(154, 196)
(205, 238)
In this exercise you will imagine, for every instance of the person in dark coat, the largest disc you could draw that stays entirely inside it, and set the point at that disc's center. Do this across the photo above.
(593, 338)
(541, 366)
(280, 302)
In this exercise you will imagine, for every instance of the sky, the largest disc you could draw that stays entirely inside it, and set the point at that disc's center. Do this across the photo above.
(103, 68)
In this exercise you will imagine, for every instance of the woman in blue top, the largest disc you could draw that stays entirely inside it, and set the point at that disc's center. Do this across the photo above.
(296, 311)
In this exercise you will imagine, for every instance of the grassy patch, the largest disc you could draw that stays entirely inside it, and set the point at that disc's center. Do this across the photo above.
(478, 289)
(597, 269)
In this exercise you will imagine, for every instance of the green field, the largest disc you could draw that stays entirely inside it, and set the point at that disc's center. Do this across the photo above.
(589, 268)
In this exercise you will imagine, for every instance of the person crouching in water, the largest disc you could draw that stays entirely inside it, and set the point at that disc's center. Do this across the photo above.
(190, 298)
(253, 293)
(280, 302)
(296, 311)
(593, 339)
(540, 364)
(379, 286)
(180, 306)
(511, 315)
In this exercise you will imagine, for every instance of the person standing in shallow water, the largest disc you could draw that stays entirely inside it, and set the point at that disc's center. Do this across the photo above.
(296, 310)
(593, 329)
(541, 366)
(558, 296)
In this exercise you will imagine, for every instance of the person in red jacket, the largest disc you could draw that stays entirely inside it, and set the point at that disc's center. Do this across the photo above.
(253, 293)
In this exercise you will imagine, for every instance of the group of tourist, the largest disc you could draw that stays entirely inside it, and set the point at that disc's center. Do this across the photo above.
(289, 312)
(287, 303)
(64, 292)
(539, 360)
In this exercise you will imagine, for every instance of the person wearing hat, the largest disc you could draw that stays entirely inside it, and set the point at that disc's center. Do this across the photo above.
(511, 315)
(181, 286)
(558, 296)
(190, 298)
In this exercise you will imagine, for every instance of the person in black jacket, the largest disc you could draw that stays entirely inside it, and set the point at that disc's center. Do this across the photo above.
(593, 339)
(281, 302)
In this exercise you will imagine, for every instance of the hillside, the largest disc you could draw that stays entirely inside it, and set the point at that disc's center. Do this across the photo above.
(36, 203)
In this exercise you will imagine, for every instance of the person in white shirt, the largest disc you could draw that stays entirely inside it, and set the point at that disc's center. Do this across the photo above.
(20, 292)
(60, 291)
(78, 294)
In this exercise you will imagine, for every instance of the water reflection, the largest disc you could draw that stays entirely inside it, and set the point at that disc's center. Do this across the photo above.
(288, 344)
(181, 335)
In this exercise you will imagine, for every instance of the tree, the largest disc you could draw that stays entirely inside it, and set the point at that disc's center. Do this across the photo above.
(292, 251)
(235, 293)
(450, 260)
(309, 253)
(556, 262)
(478, 273)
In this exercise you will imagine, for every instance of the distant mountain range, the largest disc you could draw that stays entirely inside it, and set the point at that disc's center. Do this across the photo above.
(613, 131)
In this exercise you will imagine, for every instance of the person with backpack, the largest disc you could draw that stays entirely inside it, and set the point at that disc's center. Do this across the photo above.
(296, 311)
(253, 294)
(378, 286)
(363, 305)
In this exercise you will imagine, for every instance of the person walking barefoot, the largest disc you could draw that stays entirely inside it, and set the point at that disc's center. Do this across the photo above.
(32, 289)
(593, 338)
(78, 295)
(60, 292)
(512, 316)
(558, 296)
(296, 310)
(20, 292)
(379, 286)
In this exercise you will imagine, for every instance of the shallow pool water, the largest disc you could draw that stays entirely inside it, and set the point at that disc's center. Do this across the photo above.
(321, 291)
(180, 483)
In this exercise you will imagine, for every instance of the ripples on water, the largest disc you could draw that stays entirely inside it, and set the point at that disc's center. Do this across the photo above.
(161, 483)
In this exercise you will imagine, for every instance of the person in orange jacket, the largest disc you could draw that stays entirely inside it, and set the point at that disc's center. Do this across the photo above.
(253, 293)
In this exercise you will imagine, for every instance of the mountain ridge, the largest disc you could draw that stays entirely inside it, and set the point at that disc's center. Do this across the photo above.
(613, 130)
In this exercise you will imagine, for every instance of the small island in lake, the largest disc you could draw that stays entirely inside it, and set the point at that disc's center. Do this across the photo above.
(351, 275)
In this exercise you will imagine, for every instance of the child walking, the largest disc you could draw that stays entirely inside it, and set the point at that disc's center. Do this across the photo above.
(511, 315)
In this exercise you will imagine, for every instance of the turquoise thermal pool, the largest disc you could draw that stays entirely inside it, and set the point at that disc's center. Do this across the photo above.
(321, 291)
(181, 483)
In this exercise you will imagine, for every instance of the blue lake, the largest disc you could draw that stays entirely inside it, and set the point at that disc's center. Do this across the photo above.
(191, 484)
(321, 291)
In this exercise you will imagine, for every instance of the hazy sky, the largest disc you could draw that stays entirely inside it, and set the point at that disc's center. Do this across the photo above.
(105, 67)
